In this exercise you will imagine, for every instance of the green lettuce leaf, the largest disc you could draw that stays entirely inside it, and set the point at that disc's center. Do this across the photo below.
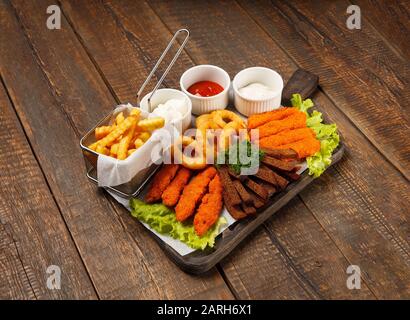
(325, 133)
(162, 219)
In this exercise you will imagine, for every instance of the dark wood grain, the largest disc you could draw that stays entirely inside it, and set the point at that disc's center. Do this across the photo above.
(119, 29)
(391, 19)
(358, 189)
(364, 78)
(121, 257)
(33, 234)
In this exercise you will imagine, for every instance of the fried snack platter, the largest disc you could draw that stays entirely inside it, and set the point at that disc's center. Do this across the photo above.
(200, 212)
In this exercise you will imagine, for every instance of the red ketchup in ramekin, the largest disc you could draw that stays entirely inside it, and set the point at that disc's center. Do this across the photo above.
(205, 89)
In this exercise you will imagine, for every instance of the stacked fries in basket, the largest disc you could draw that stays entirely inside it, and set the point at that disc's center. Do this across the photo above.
(125, 135)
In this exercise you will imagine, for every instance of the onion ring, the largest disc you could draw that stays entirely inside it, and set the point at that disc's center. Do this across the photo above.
(219, 117)
(196, 162)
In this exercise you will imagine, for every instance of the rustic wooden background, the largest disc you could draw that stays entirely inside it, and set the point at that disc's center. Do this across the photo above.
(55, 85)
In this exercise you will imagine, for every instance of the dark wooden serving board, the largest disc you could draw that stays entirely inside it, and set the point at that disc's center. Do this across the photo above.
(197, 262)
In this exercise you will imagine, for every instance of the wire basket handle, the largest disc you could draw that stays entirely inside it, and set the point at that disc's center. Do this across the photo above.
(167, 69)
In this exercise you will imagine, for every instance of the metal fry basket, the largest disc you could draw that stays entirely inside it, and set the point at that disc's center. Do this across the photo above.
(133, 187)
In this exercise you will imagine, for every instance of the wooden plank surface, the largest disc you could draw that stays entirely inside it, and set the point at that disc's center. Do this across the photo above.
(357, 213)
(357, 70)
(356, 189)
(120, 256)
(391, 19)
(33, 235)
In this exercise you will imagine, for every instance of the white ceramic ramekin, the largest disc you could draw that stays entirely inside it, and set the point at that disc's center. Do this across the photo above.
(266, 76)
(205, 72)
(162, 96)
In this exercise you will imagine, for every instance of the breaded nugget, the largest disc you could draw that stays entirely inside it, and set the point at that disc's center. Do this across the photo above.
(172, 193)
(193, 193)
(210, 209)
(285, 137)
(304, 148)
(161, 180)
(296, 120)
(257, 120)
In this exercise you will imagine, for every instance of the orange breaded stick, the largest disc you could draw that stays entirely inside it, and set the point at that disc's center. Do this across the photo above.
(305, 148)
(285, 137)
(296, 120)
(161, 180)
(172, 193)
(193, 193)
(257, 120)
(210, 208)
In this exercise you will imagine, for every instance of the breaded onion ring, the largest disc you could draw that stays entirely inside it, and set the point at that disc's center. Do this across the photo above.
(219, 117)
(196, 162)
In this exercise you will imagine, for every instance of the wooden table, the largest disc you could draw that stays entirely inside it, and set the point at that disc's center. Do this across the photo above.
(55, 84)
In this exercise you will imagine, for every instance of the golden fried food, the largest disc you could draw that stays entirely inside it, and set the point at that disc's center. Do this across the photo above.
(172, 193)
(206, 121)
(260, 119)
(144, 136)
(102, 150)
(304, 148)
(210, 208)
(285, 137)
(125, 135)
(125, 142)
(102, 131)
(151, 124)
(119, 118)
(160, 182)
(195, 160)
(219, 117)
(117, 132)
(294, 121)
(193, 193)
(138, 143)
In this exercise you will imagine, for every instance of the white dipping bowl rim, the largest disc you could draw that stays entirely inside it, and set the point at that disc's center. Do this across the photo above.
(263, 69)
(193, 69)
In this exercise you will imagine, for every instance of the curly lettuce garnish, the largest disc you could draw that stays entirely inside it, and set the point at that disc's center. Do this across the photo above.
(325, 133)
(162, 219)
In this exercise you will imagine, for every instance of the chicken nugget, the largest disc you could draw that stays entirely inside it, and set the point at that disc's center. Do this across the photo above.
(172, 193)
(193, 193)
(161, 180)
(209, 210)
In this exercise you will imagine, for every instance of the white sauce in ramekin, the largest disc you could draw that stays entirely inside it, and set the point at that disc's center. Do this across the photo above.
(171, 110)
(256, 91)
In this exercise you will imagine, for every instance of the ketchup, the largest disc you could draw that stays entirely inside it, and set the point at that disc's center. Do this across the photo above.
(205, 89)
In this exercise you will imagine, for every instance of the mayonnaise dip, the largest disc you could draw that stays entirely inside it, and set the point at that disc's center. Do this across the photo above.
(256, 91)
(171, 110)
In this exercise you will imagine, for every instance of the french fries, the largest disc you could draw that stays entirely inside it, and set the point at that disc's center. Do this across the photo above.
(125, 135)
(151, 124)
